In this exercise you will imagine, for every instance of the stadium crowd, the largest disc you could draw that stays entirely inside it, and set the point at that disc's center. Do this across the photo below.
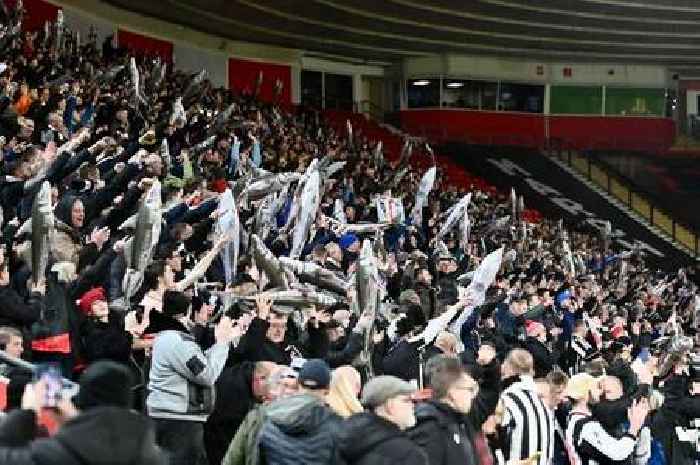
(236, 282)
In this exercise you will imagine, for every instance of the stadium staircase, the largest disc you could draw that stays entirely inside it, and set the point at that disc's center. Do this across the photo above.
(621, 193)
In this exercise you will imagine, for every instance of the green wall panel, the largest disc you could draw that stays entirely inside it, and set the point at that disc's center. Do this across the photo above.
(634, 102)
(577, 100)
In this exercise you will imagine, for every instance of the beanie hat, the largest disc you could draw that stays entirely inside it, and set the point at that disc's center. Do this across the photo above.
(104, 383)
(90, 297)
(346, 240)
(175, 303)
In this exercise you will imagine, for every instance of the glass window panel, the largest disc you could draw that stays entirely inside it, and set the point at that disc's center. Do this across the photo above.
(634, 102)
(311, 88)
(521, 97)
(472, 95)
(339, 91)
(489, 95)
(423, 93)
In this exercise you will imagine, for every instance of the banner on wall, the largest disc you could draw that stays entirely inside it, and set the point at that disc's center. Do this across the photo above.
(244, 74)
(559, 195)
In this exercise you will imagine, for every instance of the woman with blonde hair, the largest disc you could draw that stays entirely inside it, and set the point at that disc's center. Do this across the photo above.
(344, 390)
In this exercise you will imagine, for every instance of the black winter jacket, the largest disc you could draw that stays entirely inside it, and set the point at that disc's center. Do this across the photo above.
(234, 399)
(368, 439)
(448, 436)
(445, 435)
(100, 435)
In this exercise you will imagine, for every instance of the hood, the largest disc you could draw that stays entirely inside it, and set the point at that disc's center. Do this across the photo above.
(611, 413)
(362, 433)
(107, 436)
(297, 415)
(63, 209)
(438, 411)
(160, 322)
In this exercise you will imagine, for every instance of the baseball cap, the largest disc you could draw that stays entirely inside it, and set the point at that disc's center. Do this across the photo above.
(315, 374)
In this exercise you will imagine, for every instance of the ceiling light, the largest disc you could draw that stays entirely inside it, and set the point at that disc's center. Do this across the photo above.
(422, 82)
(453, 85)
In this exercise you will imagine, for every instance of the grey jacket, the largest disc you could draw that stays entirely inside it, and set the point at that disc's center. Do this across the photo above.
(182, 377)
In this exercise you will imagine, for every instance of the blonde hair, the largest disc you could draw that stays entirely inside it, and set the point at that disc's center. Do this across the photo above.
(520, 362)
(342, 395)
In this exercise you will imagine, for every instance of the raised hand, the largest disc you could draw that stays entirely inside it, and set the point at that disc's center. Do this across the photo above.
(263, 304)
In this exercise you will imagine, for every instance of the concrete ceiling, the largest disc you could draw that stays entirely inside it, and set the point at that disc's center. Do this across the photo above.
(381, 32)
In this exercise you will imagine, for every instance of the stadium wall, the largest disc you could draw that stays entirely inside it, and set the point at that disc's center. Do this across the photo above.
(536, 130)
(192, 50)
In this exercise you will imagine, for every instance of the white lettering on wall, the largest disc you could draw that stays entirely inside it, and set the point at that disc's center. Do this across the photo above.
(570, 206)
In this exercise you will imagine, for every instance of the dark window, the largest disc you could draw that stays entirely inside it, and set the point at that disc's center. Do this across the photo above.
(338, 92)
(521, 97)
(423, 93)
(473, 95)
(311, 88)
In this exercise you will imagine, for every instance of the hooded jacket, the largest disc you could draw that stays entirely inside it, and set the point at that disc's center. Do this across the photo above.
(234, 399)
(368, 439)
(66, 240)
(100, 436)
(299, 430)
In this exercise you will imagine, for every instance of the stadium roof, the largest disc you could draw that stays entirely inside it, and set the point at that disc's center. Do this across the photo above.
(381, 32)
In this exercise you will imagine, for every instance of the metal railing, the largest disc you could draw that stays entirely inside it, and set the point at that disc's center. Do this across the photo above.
(639, 200)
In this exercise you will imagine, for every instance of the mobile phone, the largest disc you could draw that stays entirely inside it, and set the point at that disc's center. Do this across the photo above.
(50, 375)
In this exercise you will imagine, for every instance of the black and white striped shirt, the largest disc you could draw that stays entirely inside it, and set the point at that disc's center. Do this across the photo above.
(528, 423)
(589, 444)
(580, 352)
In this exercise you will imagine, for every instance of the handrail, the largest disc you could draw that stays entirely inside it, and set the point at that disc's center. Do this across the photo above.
(680, 231)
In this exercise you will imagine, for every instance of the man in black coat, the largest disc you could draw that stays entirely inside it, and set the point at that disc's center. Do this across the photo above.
(544, 359)
(238, 389)
(377, 437)
(102, 415)
(448, 424)
(268, 338)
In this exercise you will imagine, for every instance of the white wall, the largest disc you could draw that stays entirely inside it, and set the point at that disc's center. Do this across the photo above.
(328, 66)
(78, 20)
(193, 59)
(508, 69)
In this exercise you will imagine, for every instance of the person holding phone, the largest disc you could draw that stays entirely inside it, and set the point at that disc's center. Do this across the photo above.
(99, 410)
